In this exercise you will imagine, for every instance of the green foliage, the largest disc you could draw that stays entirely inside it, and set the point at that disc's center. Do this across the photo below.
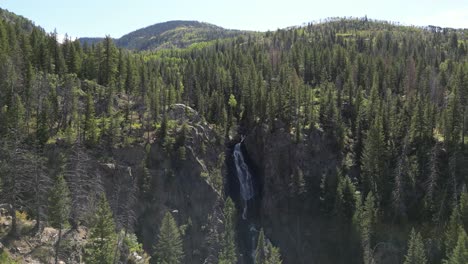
(453, 228)
(168, 249)
(102, 238)
(59, 208)
(232, 101)
(108, 62)
(131, 244)
(459, 254)
(464, 209)
(175, 34)
(6, 258)
(228, 254)
(266, 253)
(374, 157)
(367, 222)
(260, 252)
(416, 253)
(345, 201)
(59, 203)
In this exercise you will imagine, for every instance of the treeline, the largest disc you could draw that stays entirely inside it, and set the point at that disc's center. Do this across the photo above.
(389, 100)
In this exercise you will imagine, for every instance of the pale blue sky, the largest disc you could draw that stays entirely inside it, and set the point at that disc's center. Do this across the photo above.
(92, 18)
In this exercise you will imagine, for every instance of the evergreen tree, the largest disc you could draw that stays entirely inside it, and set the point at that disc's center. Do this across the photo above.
(460, 252)
(345, 202)
(228, 251)
(367, 226)
(454, 227)
(260, 252)
(108, 62)
(168, 250)
(415, 254)
(59, 208)
(464, 209)
(373, 162)
(274, 255)
(266, 253)
(102, 238)
(57, 54)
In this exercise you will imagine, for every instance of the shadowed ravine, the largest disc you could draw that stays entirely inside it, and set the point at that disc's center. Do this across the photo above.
(248, 227)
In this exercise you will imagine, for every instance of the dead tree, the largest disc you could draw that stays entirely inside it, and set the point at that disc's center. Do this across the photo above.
(83, 183)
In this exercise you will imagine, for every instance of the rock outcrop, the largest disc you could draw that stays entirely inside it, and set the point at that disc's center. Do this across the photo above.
(184, 183)
(290, 174)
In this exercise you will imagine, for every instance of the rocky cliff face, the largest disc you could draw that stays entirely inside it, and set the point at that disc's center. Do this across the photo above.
(186, 177)
(181, 173)
(142, 183)
(291, 173)
(186, 185)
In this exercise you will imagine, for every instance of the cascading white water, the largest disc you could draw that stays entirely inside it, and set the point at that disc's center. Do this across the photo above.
(247, 193)
(245, 178)
(253, 237)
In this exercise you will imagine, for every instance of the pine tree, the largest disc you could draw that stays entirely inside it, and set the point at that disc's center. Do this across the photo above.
(228, 251)
(345, 208)
(130, 77)
(460, 252)
(373, 162)
(59, 208)
(108, 62)
(367, 226)
(345, 202)
(454, 227)
(266, 253)
(464, 209)
(168, 250)
(415, 254)
(102, 239)
(260, 252)
(452, 119)
(274, 255)
(57, 54)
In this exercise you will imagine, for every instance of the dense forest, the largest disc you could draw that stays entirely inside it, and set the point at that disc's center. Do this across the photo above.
(354, 131)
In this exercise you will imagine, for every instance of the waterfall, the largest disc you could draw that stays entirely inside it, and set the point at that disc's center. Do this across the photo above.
(245, 178)
(253, 238)
(249, 230)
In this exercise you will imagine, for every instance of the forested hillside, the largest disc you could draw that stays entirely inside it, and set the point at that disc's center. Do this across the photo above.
(355, 133)
(171, 34)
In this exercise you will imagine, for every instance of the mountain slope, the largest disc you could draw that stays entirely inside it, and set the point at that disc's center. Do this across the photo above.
(19, 21)
(179, 34)
(90, 41)
(171, 34)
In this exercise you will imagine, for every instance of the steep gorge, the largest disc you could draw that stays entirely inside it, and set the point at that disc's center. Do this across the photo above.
(244, 187)
(291, 174)
(183, 185)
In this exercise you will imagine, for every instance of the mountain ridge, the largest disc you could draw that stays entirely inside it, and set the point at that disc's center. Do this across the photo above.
(170, 34)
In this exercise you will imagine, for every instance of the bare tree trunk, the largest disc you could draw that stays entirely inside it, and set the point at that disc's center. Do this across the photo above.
(14, 225)
(463, 128)
(57, 245)
(37, 227)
